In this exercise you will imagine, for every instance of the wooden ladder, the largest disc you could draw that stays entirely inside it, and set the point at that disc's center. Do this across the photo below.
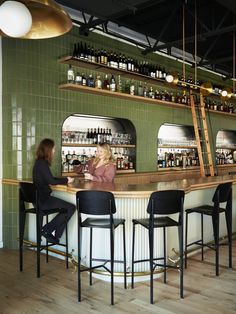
(202, 137)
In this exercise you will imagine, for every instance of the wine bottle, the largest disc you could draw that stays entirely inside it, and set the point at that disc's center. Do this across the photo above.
(70, 75)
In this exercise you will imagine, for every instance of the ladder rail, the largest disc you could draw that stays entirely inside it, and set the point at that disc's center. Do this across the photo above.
(206, 135)
(197, 136)
(206, 163)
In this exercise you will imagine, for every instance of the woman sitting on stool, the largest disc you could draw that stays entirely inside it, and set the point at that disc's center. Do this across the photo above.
(42, 178)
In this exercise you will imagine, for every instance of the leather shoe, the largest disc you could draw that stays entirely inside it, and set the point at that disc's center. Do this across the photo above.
(50, 237)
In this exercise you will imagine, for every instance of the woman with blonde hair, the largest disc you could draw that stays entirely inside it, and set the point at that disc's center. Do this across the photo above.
(101, 168)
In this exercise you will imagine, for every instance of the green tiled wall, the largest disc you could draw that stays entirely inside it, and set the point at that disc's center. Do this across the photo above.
(34, 108)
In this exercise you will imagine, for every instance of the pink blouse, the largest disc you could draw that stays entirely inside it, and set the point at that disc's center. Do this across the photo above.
(104, 173)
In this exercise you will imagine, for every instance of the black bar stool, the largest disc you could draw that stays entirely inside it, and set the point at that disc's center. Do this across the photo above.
(98, 203)
(223, 194)
(28, 194)
(161, 203)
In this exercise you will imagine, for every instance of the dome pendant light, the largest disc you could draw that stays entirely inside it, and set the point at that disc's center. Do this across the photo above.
(48, 19)
(15, 19)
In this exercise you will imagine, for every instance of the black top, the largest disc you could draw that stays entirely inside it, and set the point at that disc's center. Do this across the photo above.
(42, 177)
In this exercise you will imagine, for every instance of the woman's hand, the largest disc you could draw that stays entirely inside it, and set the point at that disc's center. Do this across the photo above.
(88, 176)
(70, 180)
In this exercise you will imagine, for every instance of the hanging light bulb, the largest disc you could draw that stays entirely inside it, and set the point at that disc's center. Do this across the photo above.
(172, 78)
(15, 19)
(226, 92)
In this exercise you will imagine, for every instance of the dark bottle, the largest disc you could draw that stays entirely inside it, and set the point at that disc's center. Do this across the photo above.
(112, 84)
(81, 51)
(75, 54)
(84, 81)
(106, 84)
(90, 81)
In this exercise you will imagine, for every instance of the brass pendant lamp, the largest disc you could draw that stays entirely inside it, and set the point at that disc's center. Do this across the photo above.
(48, 19)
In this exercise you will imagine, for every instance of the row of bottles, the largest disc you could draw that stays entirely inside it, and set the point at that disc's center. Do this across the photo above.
(70, 159)
(96, 136)
(168, 158)
(128, 86)
(221, 105)
(225, 156)
(115, 60)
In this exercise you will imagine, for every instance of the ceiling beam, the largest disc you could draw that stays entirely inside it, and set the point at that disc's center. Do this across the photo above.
(200, 37)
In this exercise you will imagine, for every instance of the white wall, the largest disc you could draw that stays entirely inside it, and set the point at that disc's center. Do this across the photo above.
(1, 240)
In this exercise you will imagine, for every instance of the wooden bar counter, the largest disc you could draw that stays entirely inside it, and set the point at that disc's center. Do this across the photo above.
(131, 202)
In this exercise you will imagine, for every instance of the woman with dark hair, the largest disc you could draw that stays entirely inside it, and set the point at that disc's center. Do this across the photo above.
(42, 178)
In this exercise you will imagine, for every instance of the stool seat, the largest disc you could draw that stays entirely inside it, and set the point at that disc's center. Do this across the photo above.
(159, 222)
(101, 223)
(204, 209)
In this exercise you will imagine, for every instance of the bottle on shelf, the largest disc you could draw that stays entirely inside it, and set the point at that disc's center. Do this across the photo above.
(106, 84)
(90, 81)
(78, 78)
(119, 85)
(112, 83)
(70, 75)
(98, 82)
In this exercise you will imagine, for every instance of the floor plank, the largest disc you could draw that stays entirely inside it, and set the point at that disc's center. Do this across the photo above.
(56, 290)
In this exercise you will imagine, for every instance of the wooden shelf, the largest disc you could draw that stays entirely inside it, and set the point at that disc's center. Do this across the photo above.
(224, 147)
(177, 147)
(103, 92)
(95, 145)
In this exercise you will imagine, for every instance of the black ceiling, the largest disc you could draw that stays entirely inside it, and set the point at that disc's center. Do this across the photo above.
(162, 20)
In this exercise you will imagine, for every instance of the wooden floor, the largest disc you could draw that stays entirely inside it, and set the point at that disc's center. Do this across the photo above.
(56, 290)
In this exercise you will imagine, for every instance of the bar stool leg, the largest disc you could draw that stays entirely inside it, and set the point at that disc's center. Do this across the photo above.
(132, 277)
(181, 252)
(39, 219)
(112, 264)
(228, 218)
(22, 217)
(215, 223)
(124, 246)
(67, 253)
(151, 263)
(46, 242)
(186, 240)
(164, 240)
(202, 235)
(90, 257)
(79, 259)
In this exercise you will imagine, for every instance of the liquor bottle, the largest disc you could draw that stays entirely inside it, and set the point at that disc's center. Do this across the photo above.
(90, 81)
(70, 75)
(132, 88)
(84, 81)
(75, 54)
(150, 93)
(119, 85)
(112, 84)
(81, 51)
(98, 82)
(68, 156)
(95, 136)
(78, 78)
(106, 84)
(140, 89)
